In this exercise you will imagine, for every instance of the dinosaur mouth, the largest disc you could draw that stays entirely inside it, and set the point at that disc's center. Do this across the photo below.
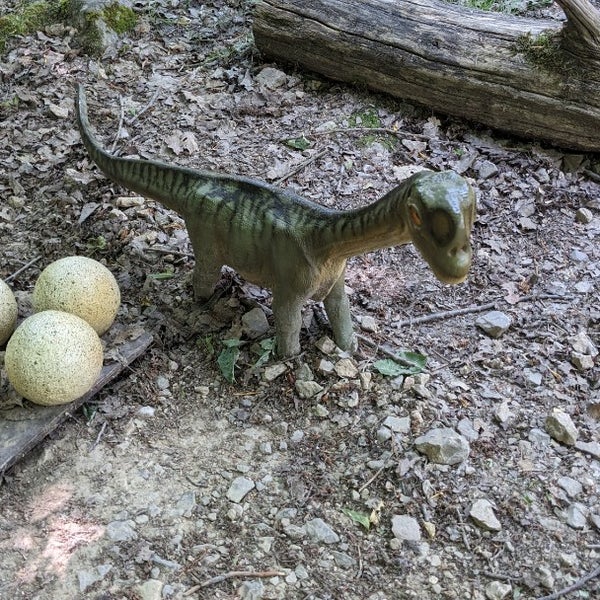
(454, 266)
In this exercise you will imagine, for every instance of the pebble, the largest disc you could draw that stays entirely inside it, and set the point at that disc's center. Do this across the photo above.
(239, 487)
(561, 428)
(538, 437)
(121, 531)
(583, 344)
(326, 345)
(325, 366)
(162, 383)
(582, 362)
(369, 324)
(251, 590)
(496, 590)
(443, 446)
(487, 169)
(482, 513)
(150, 590)
(319, 531)
(272, 372)
(502, 412)
(584, 215)
(532, 377)
(494, 323)
(576, 515)
(88, 578)
(592, 448)
(345, 367)
(271, 78)
(466, 429)
(307, 389)
(571, 486)
(254, 323)
(397, 424)
(145, 412)
(405, 527)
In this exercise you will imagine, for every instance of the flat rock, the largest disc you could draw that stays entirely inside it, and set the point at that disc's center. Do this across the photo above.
(496, 590)
(346, 368)
(150, 590)
(319, 531)
(406, 528)
(571, 486)
(397, 424)
(121, 531)
(272, 372)
(494, 323)
(251, 590)
(591, 448)
(307, 389)
(583, 344)
(271, 78)
(239, 487)
(584, 215)
(482, 513)
(443, 446)
(576, 515)
(254, 323)
(561, 428)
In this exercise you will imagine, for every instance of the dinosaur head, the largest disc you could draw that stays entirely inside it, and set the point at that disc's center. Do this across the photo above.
(440, 210)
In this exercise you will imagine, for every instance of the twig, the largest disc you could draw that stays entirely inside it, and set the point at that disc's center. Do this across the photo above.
(446, 314)
(398, 132)
(371, 480)
(576, 586)
(139, 114)
(100, 434)
(301, 166)
(167, 251)
(23, 268)
(230, 575)
(120, 128)
(462, 529)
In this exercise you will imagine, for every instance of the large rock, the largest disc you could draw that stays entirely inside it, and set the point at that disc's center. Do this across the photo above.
(443, 446)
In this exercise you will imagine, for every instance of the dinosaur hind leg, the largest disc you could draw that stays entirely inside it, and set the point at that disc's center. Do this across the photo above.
(337, 307)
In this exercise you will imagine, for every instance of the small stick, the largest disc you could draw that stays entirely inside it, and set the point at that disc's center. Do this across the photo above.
(231, 575)
(23, 268)
(462, 529)
(120, 128)
(100, 434)
(371, 480)
(398, 132)
(167, 251)
(576, 586)
(139, 114)
(301, 166)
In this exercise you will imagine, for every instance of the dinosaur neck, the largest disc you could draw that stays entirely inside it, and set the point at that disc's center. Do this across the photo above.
(378, 225)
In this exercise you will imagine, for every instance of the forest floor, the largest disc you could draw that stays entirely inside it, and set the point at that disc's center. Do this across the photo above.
(175, 483)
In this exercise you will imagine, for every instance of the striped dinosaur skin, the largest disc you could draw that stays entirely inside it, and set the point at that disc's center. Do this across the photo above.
(297, 248)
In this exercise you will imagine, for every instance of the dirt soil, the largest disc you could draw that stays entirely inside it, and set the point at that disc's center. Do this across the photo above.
(174, 483)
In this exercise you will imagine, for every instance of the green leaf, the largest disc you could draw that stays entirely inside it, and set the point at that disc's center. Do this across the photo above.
(163, 275)
(358, 517)
(299, 143)
(228, 357)
(266, 350)
(407, 363)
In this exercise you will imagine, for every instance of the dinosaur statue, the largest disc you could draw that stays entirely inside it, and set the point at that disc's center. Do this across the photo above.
(277, 239)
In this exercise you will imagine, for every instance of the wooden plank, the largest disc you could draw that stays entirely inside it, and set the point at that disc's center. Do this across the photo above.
(535, 78)
(22, 428)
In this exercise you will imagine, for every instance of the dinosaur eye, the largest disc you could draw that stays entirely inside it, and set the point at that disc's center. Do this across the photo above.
(415, 217)
(442, 227)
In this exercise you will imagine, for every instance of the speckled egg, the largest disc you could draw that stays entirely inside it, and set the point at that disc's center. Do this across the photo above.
(8, 312)
(81, 286)
(53, 357)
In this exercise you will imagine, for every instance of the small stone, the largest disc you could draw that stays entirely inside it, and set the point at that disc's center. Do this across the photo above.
(576, 515)
(239, 487)
(145, 412)
(405, 527)
(502, 412)
(578, 256)
(532, 377)
(254, 323)
(308, 389)
(121, 531)
(592, 448)
(326, 345)
(162, 383)
(571, 486)
(496, 590)
(583, 344)
(369, 324)
(342, 560)
(466, 429)
(297, 436)
(321, 411)
(251, 590)
(487, 169)
(494, 323)
(365, 380)
(538, 437)
(186, 504)
(397, 424)
(482, 513)
(561, 428)
(582, 362)
(271, 78)
(443, 446)
(345, 367)
(272, 372)
(325, 366)
(584, 215)
(150, 590)
(304, 372)
(319, 531)
(383, 435)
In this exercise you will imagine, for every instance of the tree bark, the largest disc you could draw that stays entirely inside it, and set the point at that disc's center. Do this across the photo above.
(534, 78)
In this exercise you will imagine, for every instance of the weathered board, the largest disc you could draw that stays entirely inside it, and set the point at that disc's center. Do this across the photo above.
(21, 428)
(536, 78)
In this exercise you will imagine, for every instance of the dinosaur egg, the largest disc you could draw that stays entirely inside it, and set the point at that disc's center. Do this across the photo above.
(53, 357)
(81, 286)
(8, 312)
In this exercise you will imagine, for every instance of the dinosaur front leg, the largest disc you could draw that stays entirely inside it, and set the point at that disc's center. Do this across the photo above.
(337, 307)
(204, 279)
(287, 311)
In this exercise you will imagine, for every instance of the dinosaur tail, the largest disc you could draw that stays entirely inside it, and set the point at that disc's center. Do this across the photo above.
(171, 185)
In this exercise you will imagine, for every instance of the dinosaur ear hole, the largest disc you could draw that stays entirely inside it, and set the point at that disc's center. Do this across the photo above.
(442, 227)
(415, 217)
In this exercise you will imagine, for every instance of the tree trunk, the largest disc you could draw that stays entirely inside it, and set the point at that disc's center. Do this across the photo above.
(534, 78)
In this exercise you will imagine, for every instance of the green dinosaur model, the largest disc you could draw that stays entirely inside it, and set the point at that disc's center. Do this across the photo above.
(276, 239)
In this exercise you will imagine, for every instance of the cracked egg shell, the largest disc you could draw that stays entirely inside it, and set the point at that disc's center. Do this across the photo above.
(53, 357)
(8, 312)
(81, 286)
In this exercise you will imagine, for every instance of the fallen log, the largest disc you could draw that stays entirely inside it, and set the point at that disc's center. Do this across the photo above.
(535, 78)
